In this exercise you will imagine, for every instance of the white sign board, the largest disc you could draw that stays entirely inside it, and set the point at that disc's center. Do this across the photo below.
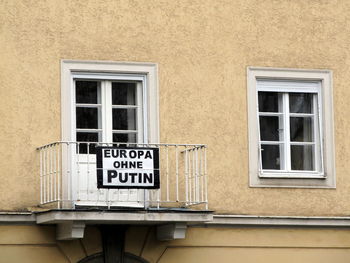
(127, 167)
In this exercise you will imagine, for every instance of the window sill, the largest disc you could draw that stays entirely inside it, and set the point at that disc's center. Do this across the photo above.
(300, 175)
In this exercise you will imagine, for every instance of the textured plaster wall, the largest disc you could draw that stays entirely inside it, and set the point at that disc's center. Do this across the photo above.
(38, 244)
(244, 245)
(202, 49)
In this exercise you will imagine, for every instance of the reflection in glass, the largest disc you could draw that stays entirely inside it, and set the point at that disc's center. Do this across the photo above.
(269, 128)
(271, 157)
(301, 129)
(124, 137)
(124, 119)
(87, 118)
(302, 157)
(123, 93)
(86, 92)
(87, 137)
(268, 101)
(300, 102)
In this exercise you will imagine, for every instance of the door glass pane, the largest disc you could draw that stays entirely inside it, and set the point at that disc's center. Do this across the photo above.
(302, 157)
(269, 102)
(300, 102)
(87, 137)
(87, 92)
(124, 137)
(270, 128)
(124, 119)
(271, 157)
(123, 93)
(87, 118)
(301, 129)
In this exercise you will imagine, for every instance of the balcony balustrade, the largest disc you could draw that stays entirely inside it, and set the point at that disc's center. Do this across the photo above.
(68, 178)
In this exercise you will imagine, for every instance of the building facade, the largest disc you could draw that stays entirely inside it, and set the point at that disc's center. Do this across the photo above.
(245, 102)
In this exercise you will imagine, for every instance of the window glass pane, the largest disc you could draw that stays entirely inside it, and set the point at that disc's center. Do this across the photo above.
(301, 129)
(124, 137)
(300, 102)
(271, 156)
(87, 137)
(87, 92)
(269, 128)
(302, 157)
(124, 119)
(123, 93)
(87, 118)
(269, 102)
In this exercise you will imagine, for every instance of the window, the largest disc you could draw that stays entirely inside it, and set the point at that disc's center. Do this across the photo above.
(109, 102)
(109, 111)
(290, 128)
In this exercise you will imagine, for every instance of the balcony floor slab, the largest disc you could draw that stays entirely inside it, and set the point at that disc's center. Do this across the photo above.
(134, 217)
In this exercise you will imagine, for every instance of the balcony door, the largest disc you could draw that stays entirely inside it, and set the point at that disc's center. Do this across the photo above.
(108, 111)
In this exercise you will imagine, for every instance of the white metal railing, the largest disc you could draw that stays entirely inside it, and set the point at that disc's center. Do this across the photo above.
(68, 177)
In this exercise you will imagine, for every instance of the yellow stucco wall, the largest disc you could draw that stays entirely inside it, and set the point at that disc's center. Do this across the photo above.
(37, 244)
(203, 48)
(227, 244)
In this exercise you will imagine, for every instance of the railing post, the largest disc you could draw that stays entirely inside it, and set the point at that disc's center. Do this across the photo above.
(205, 178)
(186, 175)
(177, 173)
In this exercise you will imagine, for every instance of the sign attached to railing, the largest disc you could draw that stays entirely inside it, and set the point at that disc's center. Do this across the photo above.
(127, 167)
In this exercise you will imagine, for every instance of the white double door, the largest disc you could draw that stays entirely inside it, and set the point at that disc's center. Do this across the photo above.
(108, 111)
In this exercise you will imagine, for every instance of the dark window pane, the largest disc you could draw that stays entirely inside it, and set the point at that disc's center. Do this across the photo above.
(302, 157)
(86, 92)
(87, 118)
(87, 137)
(124, 119)
(124, 137)
(123, 93)
(300, 102)
(269, 128)
(271, 157)
(268, 102)
(301, 129)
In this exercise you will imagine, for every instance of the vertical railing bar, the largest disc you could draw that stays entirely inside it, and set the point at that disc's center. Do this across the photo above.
(41, 176)
(108, 199)
(43, 167)
(177, 173)
(194, 176)
(186, 175)
(159, 193)
(167, 173)
(68, 179)
(205, 178)
(46, 175)
(189, 176)
(78, 169)
(197, 181)
(48, 168)
(55, 172)
(201, 174)
(51, 173)
(88, 172)
(59, 175)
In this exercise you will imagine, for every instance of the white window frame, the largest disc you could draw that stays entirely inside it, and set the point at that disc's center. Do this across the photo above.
(106, 104)
(324, 177)
(105, 70)
(109, 70)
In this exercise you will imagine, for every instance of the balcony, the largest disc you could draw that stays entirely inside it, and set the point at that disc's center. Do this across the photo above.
(69, 192)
